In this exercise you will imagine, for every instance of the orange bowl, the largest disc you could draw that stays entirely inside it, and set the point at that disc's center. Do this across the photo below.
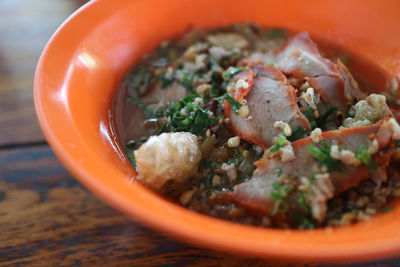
(88, 56)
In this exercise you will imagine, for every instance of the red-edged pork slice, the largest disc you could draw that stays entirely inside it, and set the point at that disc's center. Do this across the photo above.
(350, 84)
(248, 77)
(270, 99)
(255, 193)
(300, 58)
(329, 88)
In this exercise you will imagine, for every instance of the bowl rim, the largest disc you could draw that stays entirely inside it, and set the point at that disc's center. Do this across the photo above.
(358, 250)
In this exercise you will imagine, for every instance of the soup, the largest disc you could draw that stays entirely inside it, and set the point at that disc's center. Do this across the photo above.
(263, 127)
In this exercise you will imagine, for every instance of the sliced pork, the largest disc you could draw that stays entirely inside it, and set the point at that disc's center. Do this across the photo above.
(350, 84)
(300, 58)
(256, 194)
(270, 99)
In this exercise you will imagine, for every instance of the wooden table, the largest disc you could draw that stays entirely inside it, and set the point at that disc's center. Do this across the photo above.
(46, 217)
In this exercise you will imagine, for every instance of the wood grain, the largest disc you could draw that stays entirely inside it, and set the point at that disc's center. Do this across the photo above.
(25, 28)
(47, 218)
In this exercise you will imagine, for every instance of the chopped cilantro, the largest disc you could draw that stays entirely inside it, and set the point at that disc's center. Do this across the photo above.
(304, 222)
(279, 194)
(143, 139)
(231, 161)
(322, 120)
(301, 201)
(322, 154)
(387, 209)
(397, 143)
(201, 121)
(214, 91)
(213, 62)
(297, 134)
(275, 33)
(215, 77)
(187, 80)
(277, 146)
(207, 180)
(131, 157)
(147, 111)
(235, 105)
(141, 82)
(312, 180)
(309, 115)
(131, 145)
(226, 75)
(206, 164)
(244, 177)
(196, 121)
(365, 157)
(280, 206)
(164, 81)
(237, 157)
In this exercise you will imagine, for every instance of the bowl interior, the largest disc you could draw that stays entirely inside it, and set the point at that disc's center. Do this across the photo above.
(89, 55)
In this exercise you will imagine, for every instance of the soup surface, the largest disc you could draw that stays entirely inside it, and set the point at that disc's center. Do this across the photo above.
(263, 127)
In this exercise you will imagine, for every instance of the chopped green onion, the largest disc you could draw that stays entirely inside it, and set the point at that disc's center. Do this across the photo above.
(387, 209)
(275, 195)
(277, 146)
(365, 157)
(317, 153)
(322, 154)
(226, 75)
(304, 222)
(187, 80)
(301, 201)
